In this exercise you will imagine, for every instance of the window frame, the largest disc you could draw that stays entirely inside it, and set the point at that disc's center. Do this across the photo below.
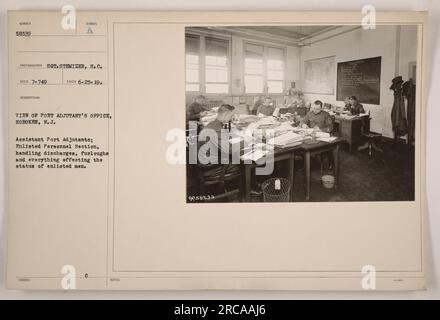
(265, 67)
(199, 56)
(202, 63)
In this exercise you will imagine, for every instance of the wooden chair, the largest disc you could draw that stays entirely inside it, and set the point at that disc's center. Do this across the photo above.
(219, 175)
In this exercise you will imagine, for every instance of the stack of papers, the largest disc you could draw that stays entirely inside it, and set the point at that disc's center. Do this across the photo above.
(320, 134)
(247, 118)
(267, 122)
(254, 155)
(288, 138)
(285, 126)
(263, 123)
(306, 131)
(327, 139)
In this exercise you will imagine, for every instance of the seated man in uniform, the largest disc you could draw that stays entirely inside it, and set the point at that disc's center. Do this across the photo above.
(197, 107)
(224, 115)
(318, 118)
(257, 103)
(355, 107)
(267, 108)
(347, 104)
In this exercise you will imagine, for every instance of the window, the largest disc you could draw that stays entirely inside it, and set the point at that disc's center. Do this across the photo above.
(192, 44)
(216, 66)
(275, 70)
(207, 64)
(254, 68)
(263, 69)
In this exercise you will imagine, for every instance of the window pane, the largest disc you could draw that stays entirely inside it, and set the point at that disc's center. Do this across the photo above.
(192, 75)
(253, 63)
(192, 87)
(216, 65)
(274, 86)
(275, 75)
(216, 47)
(192, 44)
(216, 74)
(275, 70)
(216, 61)
(253, 51)
(253, 84)
(192, 49)
(275, 64)
(217, 88)
(275, 54)
(192, 59)
(253, 66)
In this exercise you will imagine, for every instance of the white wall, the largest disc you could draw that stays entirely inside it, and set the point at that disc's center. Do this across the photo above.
(358, 44)
(408, 51)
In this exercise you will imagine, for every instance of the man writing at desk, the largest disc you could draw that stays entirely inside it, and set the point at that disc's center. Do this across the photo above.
(224, 115)
(197, 107)
(355, 107)
(267, 108)
(318, 118)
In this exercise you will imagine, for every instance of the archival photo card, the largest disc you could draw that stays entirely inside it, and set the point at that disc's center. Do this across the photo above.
(300, 113)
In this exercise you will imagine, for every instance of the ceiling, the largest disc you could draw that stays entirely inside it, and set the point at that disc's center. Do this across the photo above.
(292, 32)
(289, 35)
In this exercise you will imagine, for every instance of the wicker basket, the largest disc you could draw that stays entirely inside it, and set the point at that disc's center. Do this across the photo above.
(276, 190)
(328, 181)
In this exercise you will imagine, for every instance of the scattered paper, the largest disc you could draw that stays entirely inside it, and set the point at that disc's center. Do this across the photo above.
(287, 138)
(320, 134)
(254, 155)
(328, 139)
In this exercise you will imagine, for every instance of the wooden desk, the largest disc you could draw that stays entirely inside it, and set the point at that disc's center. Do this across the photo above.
(289, 154)
(279, 155)
(351, 129)
(311, 149)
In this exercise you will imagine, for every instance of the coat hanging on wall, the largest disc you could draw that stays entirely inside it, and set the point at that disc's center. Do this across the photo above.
(398, 116)
(409, 92)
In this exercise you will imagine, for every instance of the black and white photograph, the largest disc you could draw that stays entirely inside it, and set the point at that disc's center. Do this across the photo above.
(295, 113)
(230, 151)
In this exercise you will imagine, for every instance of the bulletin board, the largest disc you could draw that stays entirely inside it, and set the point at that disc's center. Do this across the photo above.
(319, 75)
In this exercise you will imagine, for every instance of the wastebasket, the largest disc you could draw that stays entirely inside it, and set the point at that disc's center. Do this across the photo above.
(276, 190)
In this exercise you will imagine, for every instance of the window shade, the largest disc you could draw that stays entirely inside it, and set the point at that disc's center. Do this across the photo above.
(275, 54)
(253, 51)
(192, 44)
(216, 47)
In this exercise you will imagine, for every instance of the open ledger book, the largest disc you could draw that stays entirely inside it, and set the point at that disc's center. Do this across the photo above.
(98, 198)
